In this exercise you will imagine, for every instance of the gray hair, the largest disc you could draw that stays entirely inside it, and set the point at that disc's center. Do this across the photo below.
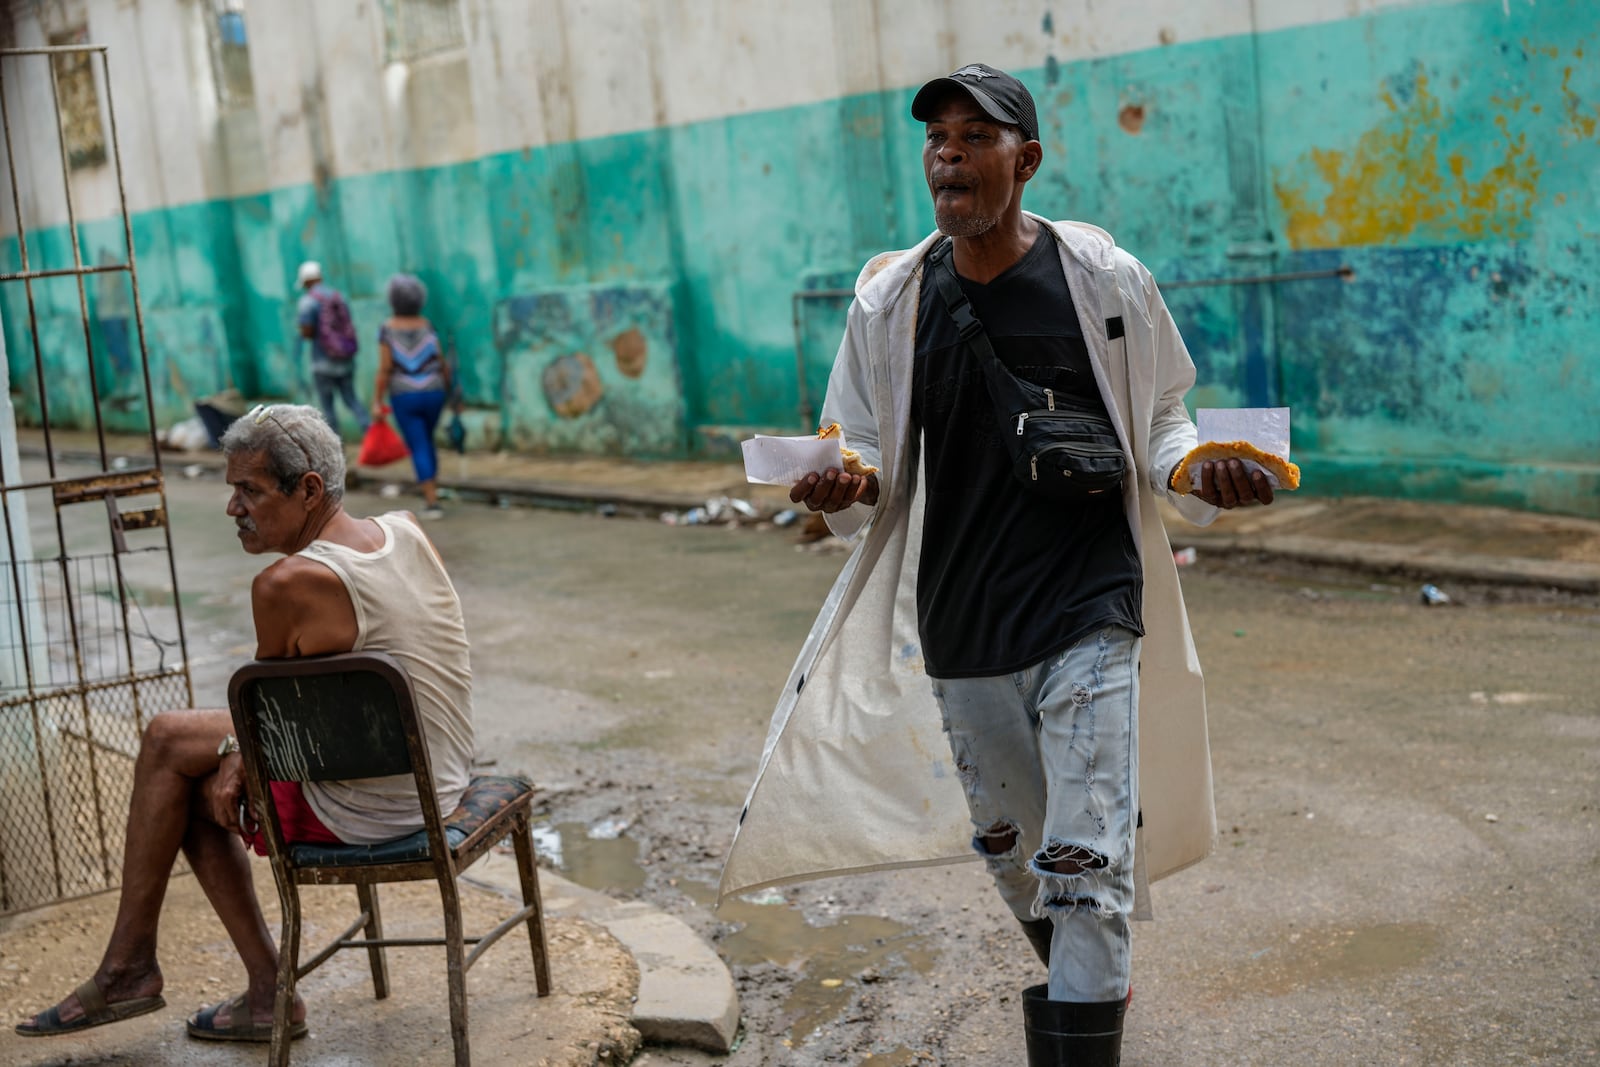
(407, 294)
(295, 439)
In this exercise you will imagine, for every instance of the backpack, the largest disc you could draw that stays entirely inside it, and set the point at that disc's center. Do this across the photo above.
(336, 334)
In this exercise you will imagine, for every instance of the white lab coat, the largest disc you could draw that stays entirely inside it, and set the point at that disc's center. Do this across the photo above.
(856, 774)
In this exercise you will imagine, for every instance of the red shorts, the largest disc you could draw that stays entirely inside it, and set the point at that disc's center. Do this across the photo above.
(300, 824)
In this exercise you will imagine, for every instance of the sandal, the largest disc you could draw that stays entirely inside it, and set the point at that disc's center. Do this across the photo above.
(96, 1012)
(203, 1024)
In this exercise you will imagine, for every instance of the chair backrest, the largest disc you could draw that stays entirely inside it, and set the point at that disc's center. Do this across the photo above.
(322, 718)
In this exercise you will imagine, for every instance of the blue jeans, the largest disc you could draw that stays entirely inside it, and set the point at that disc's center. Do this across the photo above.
(1049, 760)
(345, 385)
(417, 415)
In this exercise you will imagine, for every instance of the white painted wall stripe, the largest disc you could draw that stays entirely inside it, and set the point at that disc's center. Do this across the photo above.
(536, 72)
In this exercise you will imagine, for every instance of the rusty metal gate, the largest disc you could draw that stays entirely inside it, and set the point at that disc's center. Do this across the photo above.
(91, 628)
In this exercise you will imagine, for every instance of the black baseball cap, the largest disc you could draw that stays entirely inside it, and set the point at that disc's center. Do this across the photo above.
(1001, 96)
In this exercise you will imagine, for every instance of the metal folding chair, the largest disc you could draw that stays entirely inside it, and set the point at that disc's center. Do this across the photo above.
(353, 715)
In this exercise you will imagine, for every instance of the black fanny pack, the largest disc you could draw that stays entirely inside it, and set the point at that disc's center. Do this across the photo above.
(1059, 449)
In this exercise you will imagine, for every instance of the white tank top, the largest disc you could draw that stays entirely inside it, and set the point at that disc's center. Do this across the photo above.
(405, 606)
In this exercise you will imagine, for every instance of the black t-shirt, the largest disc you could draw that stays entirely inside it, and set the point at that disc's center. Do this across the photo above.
(1007, 577)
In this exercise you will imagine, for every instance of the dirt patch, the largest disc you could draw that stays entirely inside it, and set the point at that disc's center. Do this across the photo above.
(44, 954)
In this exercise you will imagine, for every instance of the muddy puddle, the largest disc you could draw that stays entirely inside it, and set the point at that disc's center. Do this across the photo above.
(599, 856)
(832, 962)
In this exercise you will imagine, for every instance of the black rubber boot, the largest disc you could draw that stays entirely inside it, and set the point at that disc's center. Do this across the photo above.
(1063, 1034)
(1039, 932)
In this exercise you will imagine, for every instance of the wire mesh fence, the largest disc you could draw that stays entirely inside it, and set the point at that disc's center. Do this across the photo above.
(91, 627)
(104, 634)
(66, 780)
(84, 664)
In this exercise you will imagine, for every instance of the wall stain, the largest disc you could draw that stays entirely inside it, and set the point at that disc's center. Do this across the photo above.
(572, 385)
(1580, 125)
(631, 349)
(629, 406)
(1394, 187)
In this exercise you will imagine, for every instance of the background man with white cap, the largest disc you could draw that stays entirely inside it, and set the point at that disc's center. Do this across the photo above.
(324, 319)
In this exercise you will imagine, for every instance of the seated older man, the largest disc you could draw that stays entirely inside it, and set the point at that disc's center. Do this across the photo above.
(345, 584)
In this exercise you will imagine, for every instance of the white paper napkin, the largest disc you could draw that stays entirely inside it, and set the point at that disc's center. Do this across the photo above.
(1266, 428)
(785, 460)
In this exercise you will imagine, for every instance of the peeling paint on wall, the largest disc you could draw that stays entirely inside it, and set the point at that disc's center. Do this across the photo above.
(1581, 118)
(632, 351)
(1410, 179)
(572, 385)
(559, 398)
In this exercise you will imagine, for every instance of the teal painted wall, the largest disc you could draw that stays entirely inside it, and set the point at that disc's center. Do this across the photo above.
(1448, 153)
(1462, 186)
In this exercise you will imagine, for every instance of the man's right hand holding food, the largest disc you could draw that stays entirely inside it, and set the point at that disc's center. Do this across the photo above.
(834, 489)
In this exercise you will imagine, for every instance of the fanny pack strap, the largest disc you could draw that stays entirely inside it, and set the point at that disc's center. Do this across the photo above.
(1007, 392)
(960, 308)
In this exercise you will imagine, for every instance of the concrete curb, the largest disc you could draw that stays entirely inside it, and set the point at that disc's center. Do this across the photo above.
(1428, 564)
(568, 497)
(686, 994)
(530, 492)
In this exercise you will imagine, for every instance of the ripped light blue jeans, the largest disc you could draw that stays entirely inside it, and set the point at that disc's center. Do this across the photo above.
(1050, 755)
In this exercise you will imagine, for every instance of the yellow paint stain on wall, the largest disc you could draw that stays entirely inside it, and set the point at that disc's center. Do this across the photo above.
(1580, 123)
(1394, 185)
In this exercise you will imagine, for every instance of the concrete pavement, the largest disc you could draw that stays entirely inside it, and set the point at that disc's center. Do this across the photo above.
(628, 961)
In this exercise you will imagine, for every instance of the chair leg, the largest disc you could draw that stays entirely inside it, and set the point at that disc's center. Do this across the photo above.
(368, 895)
(456, 958)
(528, 873)
(288, 961)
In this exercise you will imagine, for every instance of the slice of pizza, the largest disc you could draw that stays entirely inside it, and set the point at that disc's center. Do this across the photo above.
(851, 458)
(1183, 481)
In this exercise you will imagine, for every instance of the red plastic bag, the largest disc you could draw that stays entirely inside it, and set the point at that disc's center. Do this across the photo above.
(381, 446)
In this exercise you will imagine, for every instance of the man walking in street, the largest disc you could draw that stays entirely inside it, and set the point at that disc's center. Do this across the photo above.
(345, 584)
(1033, 613)
(324, 318)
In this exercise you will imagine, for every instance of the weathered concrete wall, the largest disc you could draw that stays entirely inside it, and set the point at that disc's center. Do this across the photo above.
(1453, 165)
(697, 163)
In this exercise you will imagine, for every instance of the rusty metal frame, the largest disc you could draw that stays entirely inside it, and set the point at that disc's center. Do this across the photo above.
(107, 487)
